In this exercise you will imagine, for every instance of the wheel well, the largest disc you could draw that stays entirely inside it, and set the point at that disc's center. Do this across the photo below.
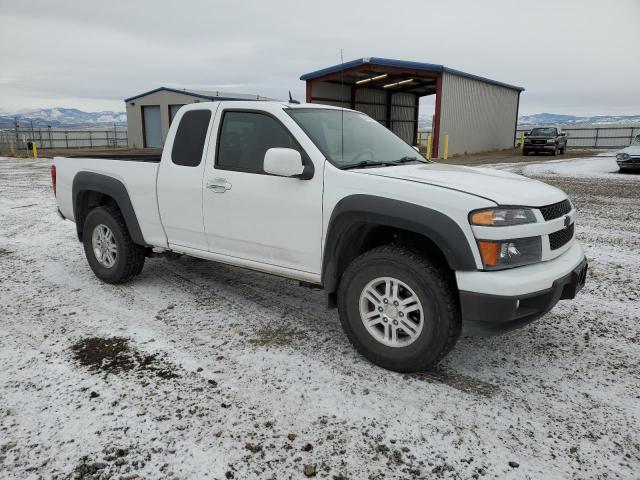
(86, 201)
(360, 238)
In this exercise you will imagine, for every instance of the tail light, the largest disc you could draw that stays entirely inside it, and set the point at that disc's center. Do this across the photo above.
(53, 179)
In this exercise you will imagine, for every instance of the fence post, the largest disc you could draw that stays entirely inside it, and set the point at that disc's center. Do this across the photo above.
(66, 138)
(595, 145)
(15, 127)
(90, 142)
(50, 139)
(446, 146)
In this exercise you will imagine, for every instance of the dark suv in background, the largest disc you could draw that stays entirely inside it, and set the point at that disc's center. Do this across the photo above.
(545, 139)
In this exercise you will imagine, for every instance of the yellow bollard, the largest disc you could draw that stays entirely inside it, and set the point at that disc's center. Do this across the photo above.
(429, 147)
(12, 149)
(521, 140)
(446, 146)
(35, 151)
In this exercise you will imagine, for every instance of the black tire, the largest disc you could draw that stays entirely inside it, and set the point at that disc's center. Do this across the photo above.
(129, 257)
(525, 152)
(433, 286)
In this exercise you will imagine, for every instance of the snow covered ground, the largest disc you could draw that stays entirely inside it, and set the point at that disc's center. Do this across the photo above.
(198, 370)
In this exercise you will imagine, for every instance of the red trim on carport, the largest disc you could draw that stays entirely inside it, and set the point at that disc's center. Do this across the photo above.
(436, 121)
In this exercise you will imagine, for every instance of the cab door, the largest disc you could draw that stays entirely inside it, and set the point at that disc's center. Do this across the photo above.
(179, 182)
(255, 216)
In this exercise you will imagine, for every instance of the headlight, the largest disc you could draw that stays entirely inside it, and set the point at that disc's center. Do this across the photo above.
(501, 254)
(623, 156)
(551, 140)
(500, 217)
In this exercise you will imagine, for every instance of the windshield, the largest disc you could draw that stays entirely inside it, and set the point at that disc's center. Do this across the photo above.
(543, 132)
(365, 142)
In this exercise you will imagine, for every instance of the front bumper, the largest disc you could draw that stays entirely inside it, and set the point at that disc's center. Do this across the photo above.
(509, 307)
(630, 164)
(549, 147)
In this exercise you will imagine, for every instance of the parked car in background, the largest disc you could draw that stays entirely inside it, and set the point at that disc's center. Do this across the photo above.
(545, 139)
(629, 158)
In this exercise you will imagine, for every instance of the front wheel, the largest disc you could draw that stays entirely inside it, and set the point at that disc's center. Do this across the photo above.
(109, 249)
(398, 309)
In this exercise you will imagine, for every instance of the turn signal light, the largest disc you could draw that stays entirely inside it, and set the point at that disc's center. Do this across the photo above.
(489, 251)
(483, 217)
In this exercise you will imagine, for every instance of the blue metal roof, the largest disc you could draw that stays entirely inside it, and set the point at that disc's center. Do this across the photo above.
(203, 95)
(389, 62)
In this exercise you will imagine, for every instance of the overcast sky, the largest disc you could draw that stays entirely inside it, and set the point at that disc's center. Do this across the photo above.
(573, 57)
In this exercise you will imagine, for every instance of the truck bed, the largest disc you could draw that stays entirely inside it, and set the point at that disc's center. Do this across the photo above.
(136, 172)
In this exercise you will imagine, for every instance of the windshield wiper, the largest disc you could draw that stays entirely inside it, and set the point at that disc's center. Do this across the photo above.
(366, 163)
(371, 163)
(406, 159)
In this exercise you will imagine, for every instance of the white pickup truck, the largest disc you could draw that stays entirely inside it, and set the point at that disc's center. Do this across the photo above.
(411, 252)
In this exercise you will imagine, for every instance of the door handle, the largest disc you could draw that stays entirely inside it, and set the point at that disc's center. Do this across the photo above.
(219, 185)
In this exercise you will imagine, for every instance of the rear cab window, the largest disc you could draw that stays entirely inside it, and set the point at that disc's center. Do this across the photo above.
(188, 144)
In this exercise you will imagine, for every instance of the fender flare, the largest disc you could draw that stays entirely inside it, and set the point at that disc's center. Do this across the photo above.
(442, 230)
(114, 188)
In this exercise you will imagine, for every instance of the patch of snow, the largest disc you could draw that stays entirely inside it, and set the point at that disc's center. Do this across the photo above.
(259, 358)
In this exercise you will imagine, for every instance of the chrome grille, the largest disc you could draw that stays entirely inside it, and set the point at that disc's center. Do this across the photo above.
(555, 210)
(561, 237)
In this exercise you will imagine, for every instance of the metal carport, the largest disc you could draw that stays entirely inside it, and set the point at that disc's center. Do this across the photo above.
(478, 113)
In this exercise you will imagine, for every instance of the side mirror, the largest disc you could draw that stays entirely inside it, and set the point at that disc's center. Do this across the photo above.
(284, 162)
(417, 149)
(526, 134)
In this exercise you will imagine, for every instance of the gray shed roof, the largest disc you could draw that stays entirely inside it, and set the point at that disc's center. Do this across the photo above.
(206, 95)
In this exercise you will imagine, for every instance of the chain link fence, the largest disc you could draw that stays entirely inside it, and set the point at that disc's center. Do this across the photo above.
(591, 136)
(19, 136)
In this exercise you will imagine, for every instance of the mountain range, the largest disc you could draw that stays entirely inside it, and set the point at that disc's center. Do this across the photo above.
(74, 118)
(555, 119)
(62, 117)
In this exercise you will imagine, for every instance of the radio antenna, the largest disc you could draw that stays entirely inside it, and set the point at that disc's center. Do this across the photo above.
(342, 102)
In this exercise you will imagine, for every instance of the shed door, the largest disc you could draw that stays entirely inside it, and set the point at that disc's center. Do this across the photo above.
(152, 127)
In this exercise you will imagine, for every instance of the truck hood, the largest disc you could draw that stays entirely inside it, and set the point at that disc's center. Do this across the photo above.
(504, 188)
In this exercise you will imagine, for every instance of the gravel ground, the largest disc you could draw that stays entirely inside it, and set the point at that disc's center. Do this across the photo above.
(198, 370)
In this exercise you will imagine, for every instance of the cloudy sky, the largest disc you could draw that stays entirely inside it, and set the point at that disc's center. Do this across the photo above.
(576, 57)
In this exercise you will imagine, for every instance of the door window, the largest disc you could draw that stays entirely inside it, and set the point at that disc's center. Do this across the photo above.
(188, 144)
(246, 136)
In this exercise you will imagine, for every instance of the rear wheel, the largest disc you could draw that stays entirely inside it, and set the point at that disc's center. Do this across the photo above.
(398, 309)
(109, 249)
